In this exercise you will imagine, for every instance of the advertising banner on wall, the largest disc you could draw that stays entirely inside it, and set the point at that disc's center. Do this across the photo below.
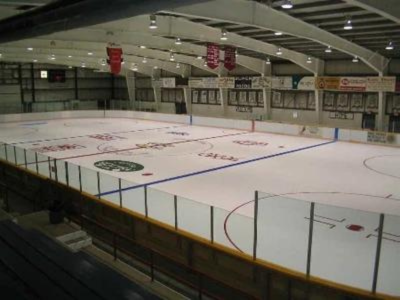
(226, 82)
(204, 83)
(261, 82)
(381, 84)
(243, 82)
(305, 83)
(212, 56)
(230, 58)
(353, 84)
(327, 83)
(166, 82)
(282, 83)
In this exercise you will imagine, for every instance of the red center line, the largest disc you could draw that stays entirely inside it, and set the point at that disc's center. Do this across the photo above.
(139, 148)
(103, 133)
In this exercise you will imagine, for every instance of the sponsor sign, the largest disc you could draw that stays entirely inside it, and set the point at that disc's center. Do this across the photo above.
(226, 82)
(327, 83)
(282, 83)
(212, 56)
(341, 115)
(305, 83)
(244, 109)
(243, 82)
(166, 82)
(353, 84)
(381, 137)
(261, 82)
(230, 58)
(381, 84)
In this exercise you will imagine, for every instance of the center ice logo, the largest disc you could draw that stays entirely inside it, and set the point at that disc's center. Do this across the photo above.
(118, 166)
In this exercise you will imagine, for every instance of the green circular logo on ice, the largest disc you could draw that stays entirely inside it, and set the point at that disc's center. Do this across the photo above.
(118, 166)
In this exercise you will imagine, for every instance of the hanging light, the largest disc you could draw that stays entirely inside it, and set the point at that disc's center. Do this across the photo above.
(348, 25)
(236, 53)
(69, 67)
(29, 49)
(355, 59)
(205, 64)
(144, 60)
(178, 41)
(268, 61)
(199, 57)
(178, 65)
(279, 52)
(35, 60)
(83, 65)
(69, 56)
(309, 61)
(122, 62)
(328, 50)
(142, 47)
(287, 4)
(153, 22)
(278, 33)
(155, 67)
(172, 56)
(224, 35)
(90, 53)
(103, 62)
(390, 46)
(134, 67)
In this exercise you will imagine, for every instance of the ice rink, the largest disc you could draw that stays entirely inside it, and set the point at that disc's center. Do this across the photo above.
(351, 185)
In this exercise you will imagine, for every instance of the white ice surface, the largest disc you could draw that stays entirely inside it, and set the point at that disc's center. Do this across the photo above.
(350, 176)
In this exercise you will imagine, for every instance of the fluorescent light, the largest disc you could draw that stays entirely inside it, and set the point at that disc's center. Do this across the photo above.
(355, 59)
(348, 25)
(328, 50)
(279, 52)
(178, 41)
(287, 4)
(153, 22)
(224, 35)
(390, 46)
(278, 33)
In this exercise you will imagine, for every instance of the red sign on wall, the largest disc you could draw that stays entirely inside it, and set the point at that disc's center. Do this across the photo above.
(114, 59)
(212, 56)
(230, 58)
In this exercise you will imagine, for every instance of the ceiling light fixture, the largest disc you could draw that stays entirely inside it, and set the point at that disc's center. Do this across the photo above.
(144, 60)
(172, 57)
(268, 61)
(153, 22)
(35, 60)
(178, 41)
(355, 59)
(279, 52)
(309, 61)
(142, 47)
(390, 46)
(90, 53)
(328, 50)
(278, 33)
(29, 49)
(348, 25)
(199, 57)
(224, 35)
(178, 65)
(287, 4)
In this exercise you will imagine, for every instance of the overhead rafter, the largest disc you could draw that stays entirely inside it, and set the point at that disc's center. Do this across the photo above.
(180, 27)
(389, 9)
(256, 14)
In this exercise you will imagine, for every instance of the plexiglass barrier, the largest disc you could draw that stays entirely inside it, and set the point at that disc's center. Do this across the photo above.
(346, 246)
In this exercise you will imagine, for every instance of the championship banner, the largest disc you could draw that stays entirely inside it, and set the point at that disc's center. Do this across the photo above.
(230, 58)
(212, 56)
(226, 82)
(305, 83)
(204, 83)
(196, 83)
(327, 83)
(166, 82)
(381, 84)
(114, 59)
(353, 84)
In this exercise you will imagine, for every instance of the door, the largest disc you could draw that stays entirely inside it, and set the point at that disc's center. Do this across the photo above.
(368, 121)
(394, 123)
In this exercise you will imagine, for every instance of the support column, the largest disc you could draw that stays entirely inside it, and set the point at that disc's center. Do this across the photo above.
(131, 85)
(267, 100)
(223, 94)
(157, 90)
(319, 96)
(187, 94)
(380, 122)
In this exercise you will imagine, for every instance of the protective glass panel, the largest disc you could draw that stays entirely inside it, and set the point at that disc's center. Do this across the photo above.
(20, 156)
(194, 217)
(133, 197)
(31, 160)
(43, 165)
(161, 206)
(3, 151)
(283, 230)
(343, 250)
(389, 266)
(73, 175)
(89, 181)
(109, 184)
(234, 230)
(10, 154)
(61, 171)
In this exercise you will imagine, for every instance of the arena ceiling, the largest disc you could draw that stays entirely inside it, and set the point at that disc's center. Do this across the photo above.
(308, 34)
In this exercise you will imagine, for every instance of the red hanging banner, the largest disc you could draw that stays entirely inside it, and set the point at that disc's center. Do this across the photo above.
(114, 59)
(230, 58)
(212, 56)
